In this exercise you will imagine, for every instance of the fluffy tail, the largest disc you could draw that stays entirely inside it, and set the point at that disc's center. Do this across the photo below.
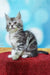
(43, 52)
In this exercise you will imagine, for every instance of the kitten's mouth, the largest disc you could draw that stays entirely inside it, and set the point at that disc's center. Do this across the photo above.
(13, 29)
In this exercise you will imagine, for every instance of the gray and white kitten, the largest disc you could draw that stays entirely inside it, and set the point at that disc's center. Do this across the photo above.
(23, 43)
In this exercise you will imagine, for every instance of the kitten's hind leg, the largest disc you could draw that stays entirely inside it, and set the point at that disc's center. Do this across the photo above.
(26, 54)
(34, 53)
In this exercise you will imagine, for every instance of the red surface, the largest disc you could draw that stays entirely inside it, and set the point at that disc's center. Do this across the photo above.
(39, 65)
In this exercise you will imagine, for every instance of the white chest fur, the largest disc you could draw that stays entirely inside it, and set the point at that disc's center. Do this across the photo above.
(13, 39)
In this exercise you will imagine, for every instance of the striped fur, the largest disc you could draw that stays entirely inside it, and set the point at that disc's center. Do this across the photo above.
(23, 43)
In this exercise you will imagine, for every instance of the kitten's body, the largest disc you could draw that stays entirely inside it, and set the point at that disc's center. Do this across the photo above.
(23, 43)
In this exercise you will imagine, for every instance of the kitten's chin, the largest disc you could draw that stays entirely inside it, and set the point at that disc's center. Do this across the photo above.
(12, 30)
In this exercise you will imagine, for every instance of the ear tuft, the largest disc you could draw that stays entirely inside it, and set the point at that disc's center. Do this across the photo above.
(19, 15)
(7, 17)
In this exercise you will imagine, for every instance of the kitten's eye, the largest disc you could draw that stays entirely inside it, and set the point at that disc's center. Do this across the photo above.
(15, 22)
(10, 23)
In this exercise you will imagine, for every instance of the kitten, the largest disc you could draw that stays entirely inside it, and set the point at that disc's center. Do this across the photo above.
(23, 43)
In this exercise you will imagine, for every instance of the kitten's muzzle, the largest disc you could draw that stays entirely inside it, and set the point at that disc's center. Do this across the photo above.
(12, 26)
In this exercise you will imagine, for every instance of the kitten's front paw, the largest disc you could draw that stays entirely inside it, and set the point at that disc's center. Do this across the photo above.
(15, 57)
(9, 56)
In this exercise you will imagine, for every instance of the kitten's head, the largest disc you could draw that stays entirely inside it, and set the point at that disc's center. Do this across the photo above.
(14, 23)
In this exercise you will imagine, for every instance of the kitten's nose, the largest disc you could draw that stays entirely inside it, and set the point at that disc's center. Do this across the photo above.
(12, 26)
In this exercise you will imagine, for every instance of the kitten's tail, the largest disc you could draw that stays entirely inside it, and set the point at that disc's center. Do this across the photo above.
(43, 52)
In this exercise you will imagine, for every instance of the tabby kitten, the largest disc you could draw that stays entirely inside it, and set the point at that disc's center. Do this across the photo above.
(23, 43)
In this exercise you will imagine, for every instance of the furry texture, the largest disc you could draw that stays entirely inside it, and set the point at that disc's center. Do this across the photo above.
(23, 43)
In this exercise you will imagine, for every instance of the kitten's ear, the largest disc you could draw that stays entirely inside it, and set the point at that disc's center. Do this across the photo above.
(19, 16)
(7, 17)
